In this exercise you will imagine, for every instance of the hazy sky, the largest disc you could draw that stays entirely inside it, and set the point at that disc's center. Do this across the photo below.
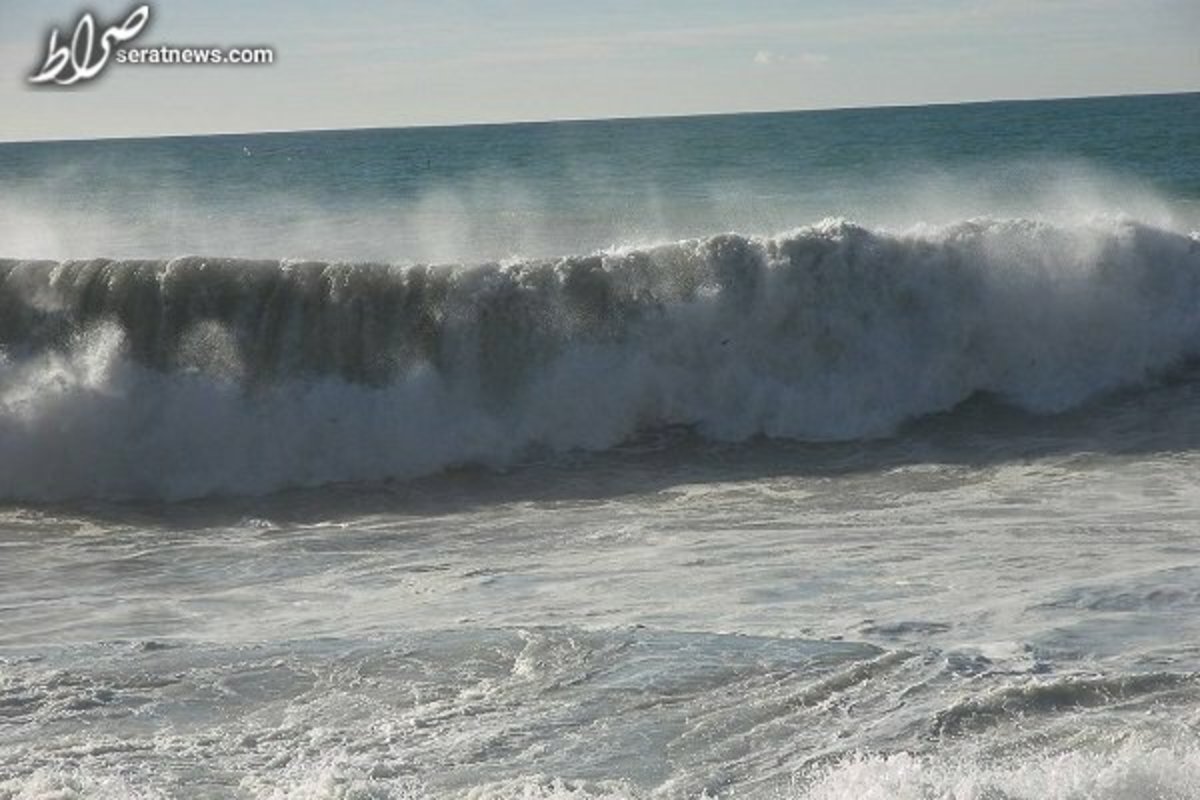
(380, 63)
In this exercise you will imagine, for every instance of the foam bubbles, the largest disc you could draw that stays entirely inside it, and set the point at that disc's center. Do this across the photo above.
(200, 376)
(1134, 772)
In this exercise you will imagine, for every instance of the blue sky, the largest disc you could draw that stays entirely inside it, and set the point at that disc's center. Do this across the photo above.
(375, 63)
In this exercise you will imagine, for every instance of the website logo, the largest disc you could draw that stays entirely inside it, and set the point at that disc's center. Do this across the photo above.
(92, 49)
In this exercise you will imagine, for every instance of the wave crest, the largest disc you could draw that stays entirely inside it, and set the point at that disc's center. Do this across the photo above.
(193, 376)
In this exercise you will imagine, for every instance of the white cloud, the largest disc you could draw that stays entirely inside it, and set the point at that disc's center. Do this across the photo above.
(764, 57)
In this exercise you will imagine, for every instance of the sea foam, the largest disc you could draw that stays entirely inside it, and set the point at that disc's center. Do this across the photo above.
(194, 375)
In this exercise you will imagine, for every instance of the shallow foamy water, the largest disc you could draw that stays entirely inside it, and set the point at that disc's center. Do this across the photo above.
(950, 613)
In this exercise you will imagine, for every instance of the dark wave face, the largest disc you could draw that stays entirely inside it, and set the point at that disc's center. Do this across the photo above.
(200, 375)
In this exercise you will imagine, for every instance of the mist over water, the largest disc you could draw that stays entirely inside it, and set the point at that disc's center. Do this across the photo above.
(471, 195)
(498, 216)
(837, 455)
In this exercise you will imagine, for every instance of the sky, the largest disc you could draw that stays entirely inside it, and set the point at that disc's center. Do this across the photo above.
(374, 63)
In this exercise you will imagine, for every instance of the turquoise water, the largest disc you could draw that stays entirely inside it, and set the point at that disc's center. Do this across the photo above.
(826, 455)
(491, 192)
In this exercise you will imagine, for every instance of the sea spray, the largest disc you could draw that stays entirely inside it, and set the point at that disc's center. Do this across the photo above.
(206, 375)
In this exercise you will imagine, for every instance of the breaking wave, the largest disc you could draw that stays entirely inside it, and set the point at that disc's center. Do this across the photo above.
(196, 375)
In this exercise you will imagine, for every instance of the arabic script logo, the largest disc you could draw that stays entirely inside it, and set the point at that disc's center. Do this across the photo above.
(89, 50)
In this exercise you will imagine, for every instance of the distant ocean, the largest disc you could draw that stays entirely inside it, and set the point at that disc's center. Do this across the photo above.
(829, 455)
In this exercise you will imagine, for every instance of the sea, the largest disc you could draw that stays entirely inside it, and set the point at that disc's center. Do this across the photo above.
(832, 455)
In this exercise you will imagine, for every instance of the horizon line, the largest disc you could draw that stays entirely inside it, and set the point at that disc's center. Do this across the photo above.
(587, 120)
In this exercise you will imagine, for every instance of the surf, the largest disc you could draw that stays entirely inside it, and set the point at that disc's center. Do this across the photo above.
(194, 375)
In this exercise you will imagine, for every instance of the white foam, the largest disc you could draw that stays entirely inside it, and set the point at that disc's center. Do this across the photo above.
(830, 332)
(1134, 772)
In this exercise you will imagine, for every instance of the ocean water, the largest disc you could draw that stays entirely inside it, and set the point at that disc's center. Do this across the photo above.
(825, 455)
